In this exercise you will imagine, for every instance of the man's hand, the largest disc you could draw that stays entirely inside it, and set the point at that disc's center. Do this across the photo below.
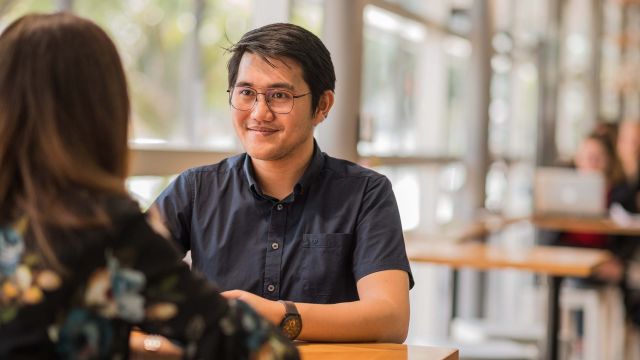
(270, 310)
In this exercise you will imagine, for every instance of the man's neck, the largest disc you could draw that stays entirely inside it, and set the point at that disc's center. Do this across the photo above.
(278, 177)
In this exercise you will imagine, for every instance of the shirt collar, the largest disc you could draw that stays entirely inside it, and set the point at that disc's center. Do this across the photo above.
(251, 176)
(312, 171)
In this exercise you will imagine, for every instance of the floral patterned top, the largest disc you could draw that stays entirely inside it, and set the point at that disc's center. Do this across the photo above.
(125, 276)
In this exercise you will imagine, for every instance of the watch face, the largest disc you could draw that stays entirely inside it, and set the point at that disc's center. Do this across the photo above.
(291, 326)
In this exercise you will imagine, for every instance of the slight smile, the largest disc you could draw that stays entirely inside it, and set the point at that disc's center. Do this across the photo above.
(263, 130)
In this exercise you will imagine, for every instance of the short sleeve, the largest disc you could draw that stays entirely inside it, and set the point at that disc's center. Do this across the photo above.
(379, 238)
(175, 205)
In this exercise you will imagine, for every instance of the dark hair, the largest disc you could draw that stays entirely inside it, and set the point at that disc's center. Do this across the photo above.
(288, 41)
(64, 113)
(613, 172)
(608, 130)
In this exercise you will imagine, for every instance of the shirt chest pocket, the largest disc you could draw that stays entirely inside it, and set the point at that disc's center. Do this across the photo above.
(327, 265)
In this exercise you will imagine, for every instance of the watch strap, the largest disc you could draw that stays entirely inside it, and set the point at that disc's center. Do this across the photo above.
(289, 308)
(291, 324)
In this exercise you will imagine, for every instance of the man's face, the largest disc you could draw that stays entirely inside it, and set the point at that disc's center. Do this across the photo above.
(264, 134)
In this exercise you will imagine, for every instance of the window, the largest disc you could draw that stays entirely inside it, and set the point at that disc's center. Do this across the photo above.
(411, 112)
(514, 107)
(428, 195)
(308, 14)
(10, 10)
(391, 88)
(174, 57)
(576, 111)
(145, 189)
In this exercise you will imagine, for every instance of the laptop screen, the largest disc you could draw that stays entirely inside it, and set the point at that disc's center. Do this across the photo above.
(562, 191)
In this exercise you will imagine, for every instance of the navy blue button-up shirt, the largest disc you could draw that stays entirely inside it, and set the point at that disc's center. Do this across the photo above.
(339, 224)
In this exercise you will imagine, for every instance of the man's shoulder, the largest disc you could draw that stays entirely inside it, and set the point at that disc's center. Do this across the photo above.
(341, 168)
(226, 166)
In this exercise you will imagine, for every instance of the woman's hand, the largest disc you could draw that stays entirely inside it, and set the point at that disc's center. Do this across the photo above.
(610, 271)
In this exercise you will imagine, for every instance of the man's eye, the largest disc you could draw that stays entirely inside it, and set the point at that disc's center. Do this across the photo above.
(280, 95)
(246, 92)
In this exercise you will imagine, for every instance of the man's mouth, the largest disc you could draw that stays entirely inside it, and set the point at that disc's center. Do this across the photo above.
(263, 130)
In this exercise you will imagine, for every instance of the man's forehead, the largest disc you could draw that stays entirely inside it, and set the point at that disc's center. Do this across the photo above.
(287, 73)
(273, 61)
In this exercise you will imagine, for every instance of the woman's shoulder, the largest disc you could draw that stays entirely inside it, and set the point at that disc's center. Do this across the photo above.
(120, 213)
(121, 207)
(123, 212)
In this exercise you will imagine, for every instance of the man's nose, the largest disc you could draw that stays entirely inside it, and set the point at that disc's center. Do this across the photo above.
(261, 110)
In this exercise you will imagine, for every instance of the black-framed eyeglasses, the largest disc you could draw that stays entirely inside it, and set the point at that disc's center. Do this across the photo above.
(279, 101)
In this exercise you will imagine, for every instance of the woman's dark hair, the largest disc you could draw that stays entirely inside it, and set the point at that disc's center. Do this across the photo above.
(608, 130)
(613, 172)
(64, 113)
(277, 41)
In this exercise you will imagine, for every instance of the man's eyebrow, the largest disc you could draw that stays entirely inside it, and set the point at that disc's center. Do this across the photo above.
(280, 85)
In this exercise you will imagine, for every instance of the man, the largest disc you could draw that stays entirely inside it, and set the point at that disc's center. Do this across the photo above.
(285, 221)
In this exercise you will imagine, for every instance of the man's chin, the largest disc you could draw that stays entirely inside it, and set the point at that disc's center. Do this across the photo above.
(264, 155)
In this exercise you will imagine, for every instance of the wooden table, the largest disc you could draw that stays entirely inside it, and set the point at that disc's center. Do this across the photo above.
(593, 225)
(550, 260)
(373, 351)
(603, 225)
(309, 351)
(555, 262)
(467, 231)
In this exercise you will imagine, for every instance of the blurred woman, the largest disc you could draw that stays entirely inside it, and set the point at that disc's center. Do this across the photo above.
(596, 154)
(79, 264)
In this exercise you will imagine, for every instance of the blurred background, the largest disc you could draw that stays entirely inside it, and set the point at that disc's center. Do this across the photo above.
(456, 101)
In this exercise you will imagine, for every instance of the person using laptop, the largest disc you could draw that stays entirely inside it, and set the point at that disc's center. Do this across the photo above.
(624, 268)
(595, 154)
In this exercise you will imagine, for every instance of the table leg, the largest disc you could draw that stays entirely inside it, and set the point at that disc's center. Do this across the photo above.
(455, 282)
(553, 317)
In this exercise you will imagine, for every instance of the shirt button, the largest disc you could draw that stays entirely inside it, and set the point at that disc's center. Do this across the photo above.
(279, 207)
(275, 246)
(271, 288)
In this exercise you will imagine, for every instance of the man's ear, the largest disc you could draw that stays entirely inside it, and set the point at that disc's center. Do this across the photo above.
(324, 106)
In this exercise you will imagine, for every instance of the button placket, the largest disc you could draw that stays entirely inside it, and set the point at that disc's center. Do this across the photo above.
(274, 253)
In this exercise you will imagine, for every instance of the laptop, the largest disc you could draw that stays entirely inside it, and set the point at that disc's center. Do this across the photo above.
(569, 192)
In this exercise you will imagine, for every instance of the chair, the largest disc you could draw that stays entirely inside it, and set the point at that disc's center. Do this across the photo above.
(599, 332)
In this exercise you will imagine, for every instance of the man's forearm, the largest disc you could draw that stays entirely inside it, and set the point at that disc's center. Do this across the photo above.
(381, 314)
(365, 320)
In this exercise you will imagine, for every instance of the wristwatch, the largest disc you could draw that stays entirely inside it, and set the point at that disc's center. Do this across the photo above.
(291, 324)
